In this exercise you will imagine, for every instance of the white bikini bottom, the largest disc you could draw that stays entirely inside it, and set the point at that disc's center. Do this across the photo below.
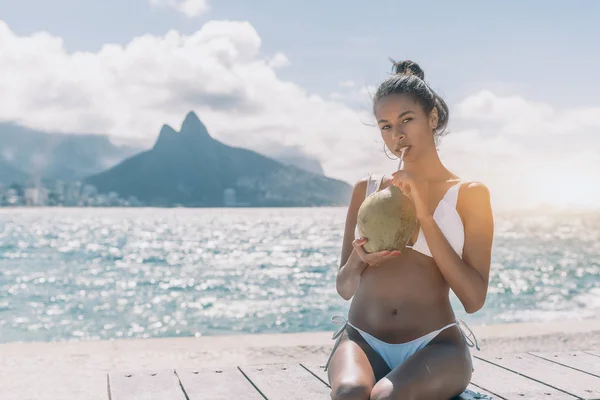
(395, 354)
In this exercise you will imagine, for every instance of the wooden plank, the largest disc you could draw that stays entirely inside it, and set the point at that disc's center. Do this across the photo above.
(318, 371)
(216, 384)
(577, 383)
(146, 385)
(575, 359)
(509, 385)
(472, 392)
(286, 382)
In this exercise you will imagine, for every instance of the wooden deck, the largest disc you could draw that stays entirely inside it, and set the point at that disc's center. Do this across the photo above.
(569, 375)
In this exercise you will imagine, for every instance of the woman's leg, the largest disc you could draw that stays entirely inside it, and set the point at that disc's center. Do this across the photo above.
(354, 368)
(440, 370)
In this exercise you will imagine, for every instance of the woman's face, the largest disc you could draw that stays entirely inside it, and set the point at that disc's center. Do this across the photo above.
(403, 123)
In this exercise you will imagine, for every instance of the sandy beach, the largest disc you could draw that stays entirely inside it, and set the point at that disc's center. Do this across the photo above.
(77, 370)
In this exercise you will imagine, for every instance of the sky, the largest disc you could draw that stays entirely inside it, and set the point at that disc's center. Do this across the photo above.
(521, 80)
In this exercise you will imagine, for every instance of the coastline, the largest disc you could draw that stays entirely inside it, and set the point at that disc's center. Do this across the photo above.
(70, 370)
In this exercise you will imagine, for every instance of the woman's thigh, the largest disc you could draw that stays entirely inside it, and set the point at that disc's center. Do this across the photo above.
(354, 367)
(438, 371)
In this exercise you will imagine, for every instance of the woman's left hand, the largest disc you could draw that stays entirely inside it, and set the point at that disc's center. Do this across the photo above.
(416, 189)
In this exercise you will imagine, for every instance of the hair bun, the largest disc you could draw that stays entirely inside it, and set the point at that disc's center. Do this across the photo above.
(408, 67)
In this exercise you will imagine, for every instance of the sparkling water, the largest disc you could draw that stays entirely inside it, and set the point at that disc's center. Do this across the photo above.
(71, 274)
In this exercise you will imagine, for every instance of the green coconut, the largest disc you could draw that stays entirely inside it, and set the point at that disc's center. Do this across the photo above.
(387, 218)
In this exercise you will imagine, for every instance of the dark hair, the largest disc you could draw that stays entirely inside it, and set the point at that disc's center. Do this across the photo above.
(409, 79)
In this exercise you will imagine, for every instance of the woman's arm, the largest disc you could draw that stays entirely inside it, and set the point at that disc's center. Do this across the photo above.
(467, 277)
(351, 266)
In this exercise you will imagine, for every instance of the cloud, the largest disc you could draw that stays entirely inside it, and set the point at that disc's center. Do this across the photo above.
(129, 91)
(355, 96)
(530, 152)
(191, 8)
(278, 60)
(518, 116)
(526, 151)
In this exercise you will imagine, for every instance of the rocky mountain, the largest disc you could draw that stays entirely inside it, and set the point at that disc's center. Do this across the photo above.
(9, 174)
(58, 156)
(293, 156)
(190, 168)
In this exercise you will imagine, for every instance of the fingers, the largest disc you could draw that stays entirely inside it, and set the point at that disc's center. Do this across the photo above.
(400, 183)
(378, 258)
(359, 242)
(381, 254)
(373, 259)
(402, 179)
(392, 254)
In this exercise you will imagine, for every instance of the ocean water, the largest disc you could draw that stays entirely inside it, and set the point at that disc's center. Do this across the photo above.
(77, 274)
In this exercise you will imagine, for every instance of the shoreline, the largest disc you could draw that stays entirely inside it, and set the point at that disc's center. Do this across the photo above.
(487, 331)
(70, 370)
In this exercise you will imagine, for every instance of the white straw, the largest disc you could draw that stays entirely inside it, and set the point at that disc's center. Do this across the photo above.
(401, 162)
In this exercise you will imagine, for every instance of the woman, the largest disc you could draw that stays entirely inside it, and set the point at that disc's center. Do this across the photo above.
(402, 339)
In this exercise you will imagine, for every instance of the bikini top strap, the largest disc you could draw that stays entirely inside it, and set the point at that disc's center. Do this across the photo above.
(373, 184)
(367, 190)
(452, 196)
(380, 181)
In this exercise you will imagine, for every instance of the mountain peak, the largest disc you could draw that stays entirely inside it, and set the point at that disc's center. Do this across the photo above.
(167, 135)
(191, 116)
(190, 168)
(192, 124)
(167, 130)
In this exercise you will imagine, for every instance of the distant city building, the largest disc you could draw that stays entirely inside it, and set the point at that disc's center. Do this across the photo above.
(72, 194)
(88, 191)
(229, 197)
(31, 196)
(36, 196)
(12, 197)
(58, 193)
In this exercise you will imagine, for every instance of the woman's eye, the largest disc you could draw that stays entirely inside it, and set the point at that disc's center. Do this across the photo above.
(406, 120)
(383, 128)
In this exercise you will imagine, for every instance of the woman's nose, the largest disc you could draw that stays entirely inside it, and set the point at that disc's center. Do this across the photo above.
(398, 134)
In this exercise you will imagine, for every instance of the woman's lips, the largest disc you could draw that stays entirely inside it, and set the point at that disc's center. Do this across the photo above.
(399, 150)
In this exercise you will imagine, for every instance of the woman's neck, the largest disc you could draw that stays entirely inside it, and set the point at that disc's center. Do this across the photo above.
(428, 167)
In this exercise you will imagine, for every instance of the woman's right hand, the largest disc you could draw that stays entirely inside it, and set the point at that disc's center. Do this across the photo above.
(372, 259)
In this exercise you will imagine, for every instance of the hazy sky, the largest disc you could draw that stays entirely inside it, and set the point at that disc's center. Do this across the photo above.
(521, 80)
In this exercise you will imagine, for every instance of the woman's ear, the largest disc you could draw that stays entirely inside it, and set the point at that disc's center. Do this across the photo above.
(433, 118)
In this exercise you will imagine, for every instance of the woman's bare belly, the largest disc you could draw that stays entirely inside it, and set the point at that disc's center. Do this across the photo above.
(402, 299)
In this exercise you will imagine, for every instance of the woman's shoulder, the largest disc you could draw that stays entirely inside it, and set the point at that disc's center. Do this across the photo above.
(362, 182)
(359, 189)
(474, 195)
(473, 188)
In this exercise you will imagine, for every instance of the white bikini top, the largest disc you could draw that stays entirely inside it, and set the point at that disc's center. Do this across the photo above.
(445, 215)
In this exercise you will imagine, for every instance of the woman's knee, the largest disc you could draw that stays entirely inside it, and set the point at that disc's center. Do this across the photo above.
(386, 390)
(351, 391)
